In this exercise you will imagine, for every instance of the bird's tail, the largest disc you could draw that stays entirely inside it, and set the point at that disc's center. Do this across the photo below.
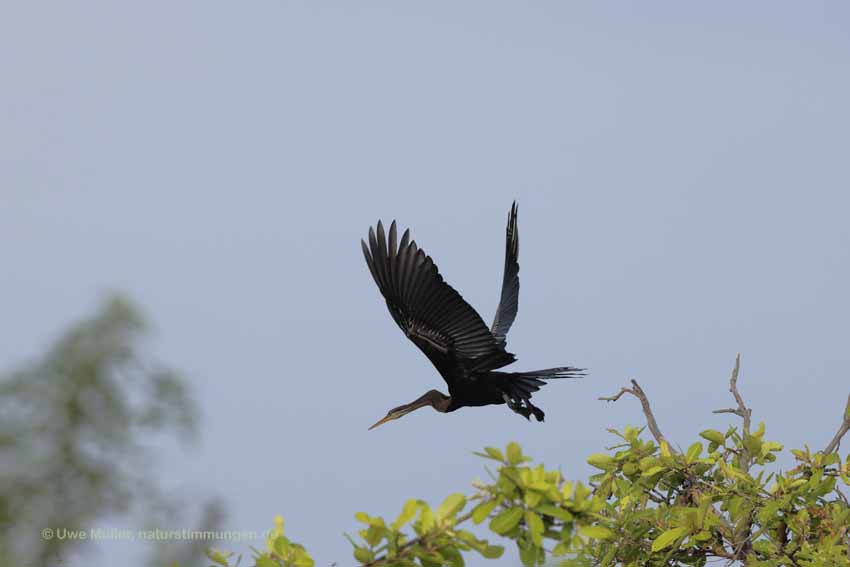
(519, 386)
(551, 373)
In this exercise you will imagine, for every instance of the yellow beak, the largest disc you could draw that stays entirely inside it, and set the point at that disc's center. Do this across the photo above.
(382, 421)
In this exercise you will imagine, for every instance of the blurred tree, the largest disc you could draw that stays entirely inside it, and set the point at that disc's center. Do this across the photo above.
(72, 425)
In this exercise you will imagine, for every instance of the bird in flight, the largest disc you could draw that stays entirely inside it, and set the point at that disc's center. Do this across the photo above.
(450, 332)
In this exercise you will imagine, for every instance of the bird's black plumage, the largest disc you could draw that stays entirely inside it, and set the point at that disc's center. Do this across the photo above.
(435, 317)
(509, 298)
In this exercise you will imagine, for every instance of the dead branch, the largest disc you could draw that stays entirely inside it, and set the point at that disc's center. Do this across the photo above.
(638, 392)
(845, 427)
(742, 410)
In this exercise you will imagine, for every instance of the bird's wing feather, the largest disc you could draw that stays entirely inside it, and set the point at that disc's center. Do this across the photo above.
(509, 300)
(427, 309)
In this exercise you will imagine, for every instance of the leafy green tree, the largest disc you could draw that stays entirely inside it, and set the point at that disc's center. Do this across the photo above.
(72, 424)
(649, 505)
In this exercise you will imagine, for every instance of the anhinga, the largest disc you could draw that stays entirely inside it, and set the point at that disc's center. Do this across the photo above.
(450, 332)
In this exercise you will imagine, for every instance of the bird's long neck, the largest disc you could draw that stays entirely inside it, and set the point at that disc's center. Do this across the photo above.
(433, 398)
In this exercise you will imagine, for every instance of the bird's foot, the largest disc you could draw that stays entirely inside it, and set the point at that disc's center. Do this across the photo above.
(525, 411)
(538, 413)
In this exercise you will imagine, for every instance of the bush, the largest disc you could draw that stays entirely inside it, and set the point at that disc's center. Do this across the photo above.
(650, 505)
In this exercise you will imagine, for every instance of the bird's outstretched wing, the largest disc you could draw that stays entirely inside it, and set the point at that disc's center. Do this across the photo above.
(428, 310)
(506, 313)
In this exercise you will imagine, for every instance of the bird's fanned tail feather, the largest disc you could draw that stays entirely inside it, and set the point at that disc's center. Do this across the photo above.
(551, 373)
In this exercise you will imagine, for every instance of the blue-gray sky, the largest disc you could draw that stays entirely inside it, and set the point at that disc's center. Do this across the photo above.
(681, 171)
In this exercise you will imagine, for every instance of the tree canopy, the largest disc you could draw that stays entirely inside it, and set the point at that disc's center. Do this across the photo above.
(650, 504)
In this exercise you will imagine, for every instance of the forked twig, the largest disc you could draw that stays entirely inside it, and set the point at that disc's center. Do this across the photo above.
(638, 392)
(742, 410)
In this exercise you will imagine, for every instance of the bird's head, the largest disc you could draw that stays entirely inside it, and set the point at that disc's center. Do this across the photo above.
(432, 398)
(393, 414)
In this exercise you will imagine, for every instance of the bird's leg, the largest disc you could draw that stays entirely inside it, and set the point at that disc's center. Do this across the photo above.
(538, 413)
(516, 405)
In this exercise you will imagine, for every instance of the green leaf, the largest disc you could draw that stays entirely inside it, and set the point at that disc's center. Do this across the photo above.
(652, 471)
(373, 535)
(602, 461)
(407, 514)
(452, 556)
(492, 551)
(363, 555)
(555, 512)
(753, 444)
(512, 476)
(535, 527)
(596, 532)
(451, 505)
(630, 433)
(648, 462)
(506, 521)
(528, 555)
(426, 518)
(714, 436)
(303, 560)
(217, 556)
(469, 537)
(514, 453)
(480, 512)
(704, 505)
(771, 446)
(667, 538)
(532, 498)
(694, 452)
(280, 545)
(266, 561)
(769, 511)
(494, 453)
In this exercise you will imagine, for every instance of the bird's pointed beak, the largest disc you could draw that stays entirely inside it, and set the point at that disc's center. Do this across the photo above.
(383, 420)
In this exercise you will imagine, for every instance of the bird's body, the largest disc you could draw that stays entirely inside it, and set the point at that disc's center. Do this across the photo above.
(450, 332)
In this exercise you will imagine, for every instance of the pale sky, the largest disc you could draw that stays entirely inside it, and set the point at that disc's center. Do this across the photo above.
(681, 172)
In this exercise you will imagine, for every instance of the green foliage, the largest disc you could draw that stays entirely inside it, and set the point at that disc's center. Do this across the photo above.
(648, 506)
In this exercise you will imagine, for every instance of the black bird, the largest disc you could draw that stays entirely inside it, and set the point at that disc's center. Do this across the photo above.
(450, 332)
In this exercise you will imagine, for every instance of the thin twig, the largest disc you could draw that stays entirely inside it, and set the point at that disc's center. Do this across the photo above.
(638, 392)
(845, 427)
(742, 410)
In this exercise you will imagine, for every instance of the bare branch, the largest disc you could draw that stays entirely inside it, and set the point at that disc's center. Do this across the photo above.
(845, 427)
(728, 410)
(617, 396)
(638, 392)
(742, 410)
